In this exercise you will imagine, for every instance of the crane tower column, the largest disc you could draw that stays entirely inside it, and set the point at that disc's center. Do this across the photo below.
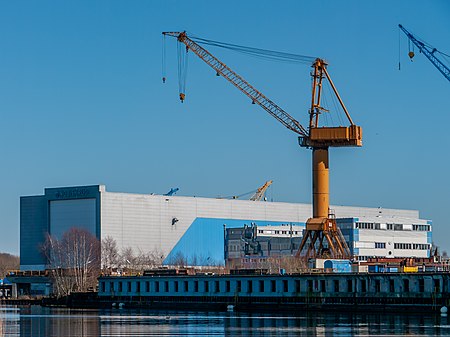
(321, 199)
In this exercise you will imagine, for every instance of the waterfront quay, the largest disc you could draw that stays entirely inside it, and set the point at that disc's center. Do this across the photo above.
(415, 292)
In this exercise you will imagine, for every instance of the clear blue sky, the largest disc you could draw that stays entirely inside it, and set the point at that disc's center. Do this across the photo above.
(82, 102)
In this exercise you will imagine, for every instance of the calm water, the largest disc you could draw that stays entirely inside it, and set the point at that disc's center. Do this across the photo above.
(37, 321)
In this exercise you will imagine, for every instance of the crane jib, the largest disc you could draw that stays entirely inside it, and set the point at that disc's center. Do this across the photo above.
(256, 96)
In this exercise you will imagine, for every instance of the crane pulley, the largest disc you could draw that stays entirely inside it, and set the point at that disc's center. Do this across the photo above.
(322, 233)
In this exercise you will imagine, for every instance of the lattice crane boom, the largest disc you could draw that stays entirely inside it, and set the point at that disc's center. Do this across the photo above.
(256, 96)
(429, 53)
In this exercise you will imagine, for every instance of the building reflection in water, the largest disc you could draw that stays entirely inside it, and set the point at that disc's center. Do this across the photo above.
(36, 321)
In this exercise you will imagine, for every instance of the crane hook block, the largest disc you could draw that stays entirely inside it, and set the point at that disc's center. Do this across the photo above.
(411, 55)
(164, 80)
(182, 97)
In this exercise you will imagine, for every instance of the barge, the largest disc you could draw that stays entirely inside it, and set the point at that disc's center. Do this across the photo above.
(413, 292)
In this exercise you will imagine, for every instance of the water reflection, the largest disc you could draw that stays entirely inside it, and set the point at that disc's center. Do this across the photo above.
(37, 321)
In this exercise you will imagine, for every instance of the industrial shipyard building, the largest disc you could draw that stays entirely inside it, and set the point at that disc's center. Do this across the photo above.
(195, 227)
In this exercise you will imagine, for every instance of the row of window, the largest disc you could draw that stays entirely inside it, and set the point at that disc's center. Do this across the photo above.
(416, 246)
(425, 228)
(389, 226)
(399, 285)
(262, 231)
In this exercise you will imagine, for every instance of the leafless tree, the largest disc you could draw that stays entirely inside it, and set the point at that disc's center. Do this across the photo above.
(74, 260)
(8, 262)
(110, 255)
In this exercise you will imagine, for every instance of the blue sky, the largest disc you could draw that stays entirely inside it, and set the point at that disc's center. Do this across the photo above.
(82, 102)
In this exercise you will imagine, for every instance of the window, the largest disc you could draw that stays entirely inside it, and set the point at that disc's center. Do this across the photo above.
(147, 286)
(392, 286)
(186, 286)
(102, 286)
(249, 286)
(261, 286)
(166, 286)
(111, 286)
(389, 226)
(238, 286)
(216, 286)
(129, 287)
(120, 286)
(349, 286)
(196, 286)
(227, 286)
(402, 246)
(421, 285)
(157, 287)
(285, 286)
(138, 287)
(176, 286)
(425, 228)
(323, 286)
(297, 286)
(380, 244)
(310, 285)
(273, 286)
(437, 286)
(377, 286)
(336, 286)
(363, 286)
(206, 286)
(398, 227)
(406, 285)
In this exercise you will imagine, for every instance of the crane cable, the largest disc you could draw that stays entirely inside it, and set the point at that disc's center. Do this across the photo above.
(263, 53)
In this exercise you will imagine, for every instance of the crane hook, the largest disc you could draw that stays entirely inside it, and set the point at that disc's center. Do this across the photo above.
(182, 97)
(411, 55)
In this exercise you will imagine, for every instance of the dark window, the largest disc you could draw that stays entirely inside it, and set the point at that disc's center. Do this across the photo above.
(166, 286)
(421, 285)
(250, 286)
(138, 287)
(273, 286)
(297, 286)
(120, 286)
(157, 286)
(147, 286)
(310, 285)
(363, 286)
(238, 286)
(102, 286)
(336, 286)
(196, 286)
(186, 286)
(323, 286)
(349, 286)
(111, 286)
(406, 285)
(227, 286)
(437, 286)
(285, 286)
(176, 286)
(377, 286)
(261, 286)
(391, 286)
(216, 286)
(129, 287)
(206, 286)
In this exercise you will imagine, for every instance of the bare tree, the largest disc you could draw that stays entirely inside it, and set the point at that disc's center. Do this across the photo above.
(74, 261)
(8, 262)
(110, 255)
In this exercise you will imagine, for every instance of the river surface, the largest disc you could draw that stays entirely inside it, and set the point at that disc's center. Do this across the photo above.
(36, 321)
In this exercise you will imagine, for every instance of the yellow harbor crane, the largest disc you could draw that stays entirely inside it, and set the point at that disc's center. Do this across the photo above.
(322, 236)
